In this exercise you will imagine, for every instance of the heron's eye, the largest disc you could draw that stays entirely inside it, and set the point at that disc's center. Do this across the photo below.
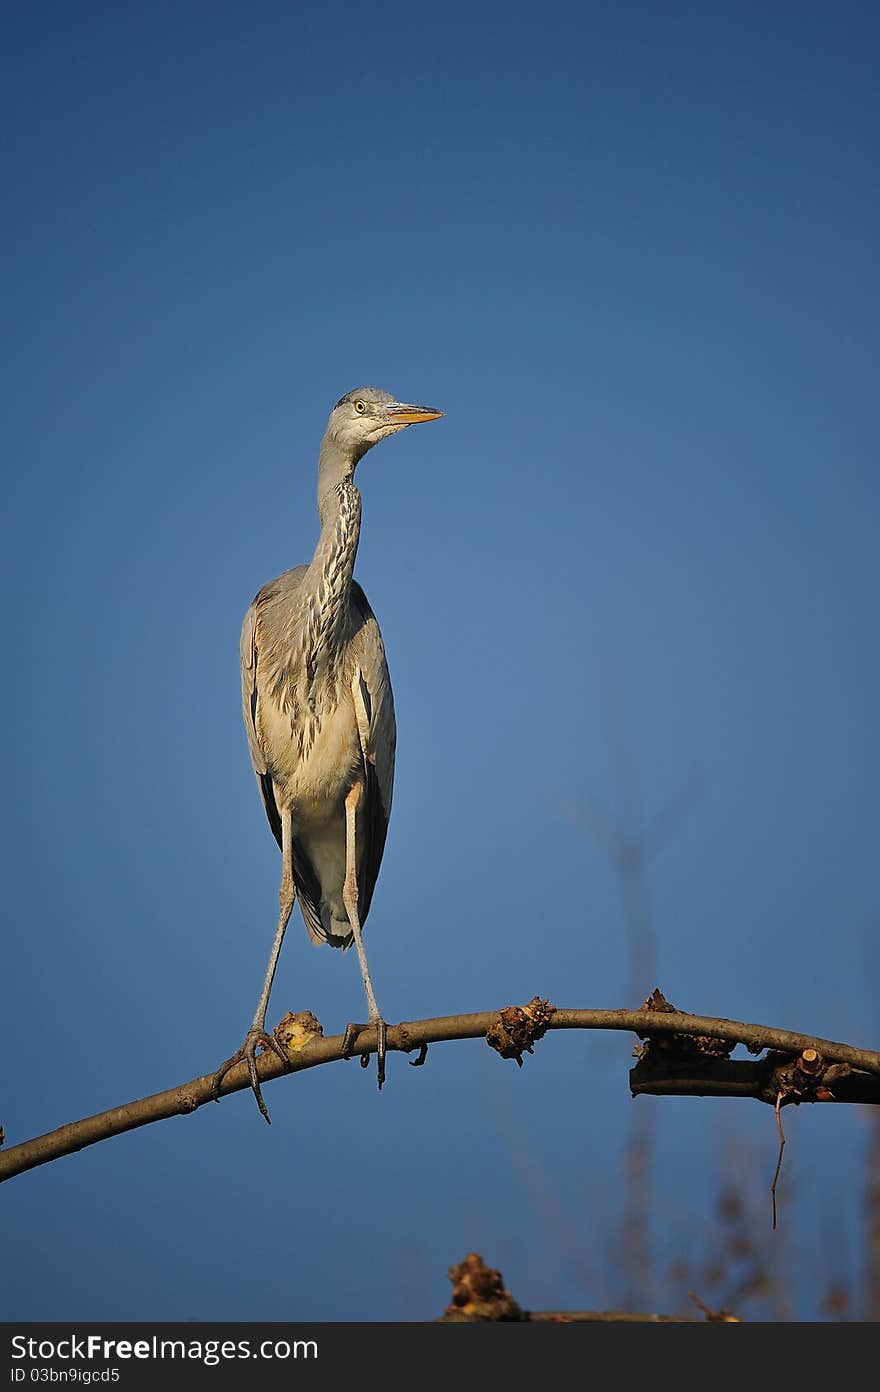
(360, 407)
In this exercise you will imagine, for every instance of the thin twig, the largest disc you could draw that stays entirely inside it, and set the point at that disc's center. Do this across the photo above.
(776, 1172)
(722, 1316)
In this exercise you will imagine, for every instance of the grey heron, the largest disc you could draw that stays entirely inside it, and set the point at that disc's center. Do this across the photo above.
(319, 716)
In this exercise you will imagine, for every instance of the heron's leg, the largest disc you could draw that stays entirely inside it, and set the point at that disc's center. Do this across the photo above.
(350, 900)
(257, 1035)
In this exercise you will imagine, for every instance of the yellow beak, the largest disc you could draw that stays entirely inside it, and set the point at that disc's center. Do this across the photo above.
(401, 414)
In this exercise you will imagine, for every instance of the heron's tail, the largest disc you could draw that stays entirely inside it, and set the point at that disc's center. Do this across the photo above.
(323, 927)
(340, 934)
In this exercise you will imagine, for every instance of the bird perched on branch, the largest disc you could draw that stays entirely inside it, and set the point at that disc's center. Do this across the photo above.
(319, 716)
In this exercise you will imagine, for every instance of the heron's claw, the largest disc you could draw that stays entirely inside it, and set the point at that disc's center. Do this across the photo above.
(348, 1041)
(423, 1054)
(254, 1039)
(351, 1033)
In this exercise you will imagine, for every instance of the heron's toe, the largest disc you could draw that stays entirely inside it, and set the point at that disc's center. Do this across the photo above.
(254, 1039)
(352, 1031)
(348, 1039)
(381, 1038)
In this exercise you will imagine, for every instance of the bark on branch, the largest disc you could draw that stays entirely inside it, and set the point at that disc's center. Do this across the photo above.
(817, 1069)
(763, 1080)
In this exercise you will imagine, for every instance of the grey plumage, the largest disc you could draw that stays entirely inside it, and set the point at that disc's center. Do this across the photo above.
(276, 670)
(319, 717)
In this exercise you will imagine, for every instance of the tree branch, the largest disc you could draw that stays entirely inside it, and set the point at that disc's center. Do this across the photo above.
(762, 1080)
(512, 1032)
(479, 1296)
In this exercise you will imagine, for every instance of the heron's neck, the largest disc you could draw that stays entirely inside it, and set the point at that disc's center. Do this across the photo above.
(333, 561)
(332, 567)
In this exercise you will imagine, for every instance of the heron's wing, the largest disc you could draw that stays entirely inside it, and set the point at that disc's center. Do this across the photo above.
(374, 704)
(250, 659)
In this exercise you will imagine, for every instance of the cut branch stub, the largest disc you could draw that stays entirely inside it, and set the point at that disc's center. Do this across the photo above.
(516, 1028)
(297, 1032)
(811, 1063)
(479, 1293)
(797, 1079)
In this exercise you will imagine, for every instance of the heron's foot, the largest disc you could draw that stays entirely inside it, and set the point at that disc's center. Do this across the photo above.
(348, 1040)
(254, 1039)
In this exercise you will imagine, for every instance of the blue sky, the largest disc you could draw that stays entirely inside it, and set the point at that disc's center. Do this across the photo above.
(631, 251)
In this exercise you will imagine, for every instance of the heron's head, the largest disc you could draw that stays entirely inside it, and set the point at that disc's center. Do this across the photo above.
(363, 417)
